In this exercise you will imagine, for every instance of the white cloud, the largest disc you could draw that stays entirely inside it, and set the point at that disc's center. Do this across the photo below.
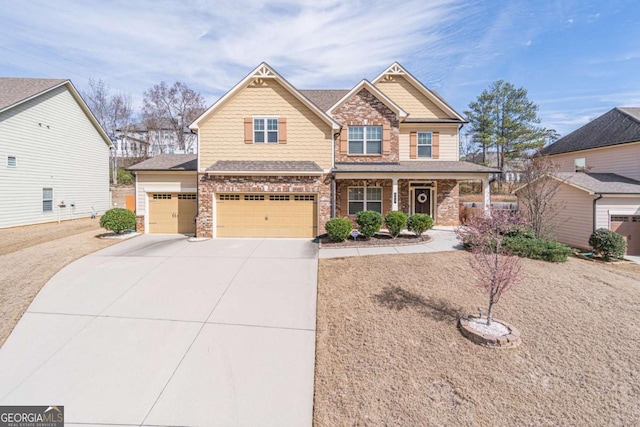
(570, 21)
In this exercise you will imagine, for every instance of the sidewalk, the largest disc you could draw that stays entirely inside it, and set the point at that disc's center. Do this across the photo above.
(443, 239)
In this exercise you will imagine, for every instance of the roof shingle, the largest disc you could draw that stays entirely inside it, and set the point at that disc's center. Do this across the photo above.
(416, 166)
(166, 162)
(15, 89)
(264, 166)
(324, 99)
(604, 183)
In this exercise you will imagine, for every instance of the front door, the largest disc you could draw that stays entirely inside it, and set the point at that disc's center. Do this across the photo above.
(422, 201)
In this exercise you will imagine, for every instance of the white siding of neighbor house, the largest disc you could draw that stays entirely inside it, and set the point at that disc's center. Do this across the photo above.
(620, 159)
(574, 223)
(162, 182)
(56, 146)
(611, 205)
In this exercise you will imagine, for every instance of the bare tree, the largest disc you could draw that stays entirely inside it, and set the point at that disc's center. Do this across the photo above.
(495, 270)
(536, 198)
(113, 111)
(173, 108)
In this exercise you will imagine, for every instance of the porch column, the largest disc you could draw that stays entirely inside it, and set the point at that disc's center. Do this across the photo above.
(486, 194)
(394, 194)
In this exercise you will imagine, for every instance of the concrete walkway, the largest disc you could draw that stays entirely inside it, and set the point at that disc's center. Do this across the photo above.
(444, 239)
(161, 331)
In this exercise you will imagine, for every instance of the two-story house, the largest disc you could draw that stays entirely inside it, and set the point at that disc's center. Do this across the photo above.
(599, 173)
(275, 161)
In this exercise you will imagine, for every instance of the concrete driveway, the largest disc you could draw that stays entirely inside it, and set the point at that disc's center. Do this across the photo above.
(161, 331)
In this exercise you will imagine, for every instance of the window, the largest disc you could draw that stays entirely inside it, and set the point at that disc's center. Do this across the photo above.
(365, 199)
(161, 196)
(580, 165)
(279, 198)
(12, 162)
(254, 197)
(228, 197)
(47, 199)
(619, 218)
(424, 144)
(265, 130)
(365, 139)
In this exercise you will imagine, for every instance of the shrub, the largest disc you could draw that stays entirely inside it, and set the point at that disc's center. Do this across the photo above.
(369, 223)
(419, 223)
(118, 220)
(608, 243)
(125, 177)
(395, 222)
(530, 247)
(338, 229)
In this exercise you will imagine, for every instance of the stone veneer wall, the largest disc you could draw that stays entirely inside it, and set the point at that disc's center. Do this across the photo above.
(211, 184)
(448, 202)
(364, 106)
(140, 223)
(342, 190)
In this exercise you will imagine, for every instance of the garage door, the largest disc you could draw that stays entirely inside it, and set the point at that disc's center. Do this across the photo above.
(172, 212)
(629, 227)
(266, 215)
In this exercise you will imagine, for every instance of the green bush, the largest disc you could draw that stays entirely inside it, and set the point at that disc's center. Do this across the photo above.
(608, 243)
(338, 229)
(369, 223)
(118, 220)
(125, 177)
(419, 223)
(530, 247)
(395, 222)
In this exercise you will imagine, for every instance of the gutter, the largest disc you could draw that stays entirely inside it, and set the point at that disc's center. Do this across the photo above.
(595, 204)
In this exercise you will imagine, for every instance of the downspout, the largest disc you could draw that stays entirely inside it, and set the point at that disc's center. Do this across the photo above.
(333, 177)
(595, 204)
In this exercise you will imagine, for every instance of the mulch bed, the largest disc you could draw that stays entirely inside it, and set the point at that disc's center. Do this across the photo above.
(378, 240)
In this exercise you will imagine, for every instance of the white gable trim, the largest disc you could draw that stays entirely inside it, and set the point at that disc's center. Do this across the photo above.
(365, 84)
(263, 71)
(396, 69)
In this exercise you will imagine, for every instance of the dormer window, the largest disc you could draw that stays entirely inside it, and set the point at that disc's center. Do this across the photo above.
(580, 165)
(265, 130)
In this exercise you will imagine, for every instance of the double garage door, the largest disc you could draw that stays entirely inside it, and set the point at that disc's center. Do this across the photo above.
(629, 227)
(266, 215)
(172, 212)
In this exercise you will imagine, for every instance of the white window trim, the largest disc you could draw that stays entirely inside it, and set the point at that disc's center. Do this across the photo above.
(364, 201)
(15, 161)
(577, 168)
(364, 141)
(46, 200)
(418, 145)
(266, 130)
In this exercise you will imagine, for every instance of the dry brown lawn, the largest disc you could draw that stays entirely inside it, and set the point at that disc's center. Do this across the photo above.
(30, 256)
(389, 352)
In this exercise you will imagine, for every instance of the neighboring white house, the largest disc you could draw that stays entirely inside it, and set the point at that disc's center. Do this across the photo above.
(54, 156)
(141, 141)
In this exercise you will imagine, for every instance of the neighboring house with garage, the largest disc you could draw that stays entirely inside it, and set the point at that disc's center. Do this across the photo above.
(54, 155)
(275, 161)
(599, 169)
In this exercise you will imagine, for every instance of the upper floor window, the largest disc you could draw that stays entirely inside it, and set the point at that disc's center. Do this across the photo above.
(12, 161)
(580, 165)
(425, 143)
(365, 139)
(47, 199)
(265, 130)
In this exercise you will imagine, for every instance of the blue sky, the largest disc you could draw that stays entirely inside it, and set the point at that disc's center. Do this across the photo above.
(577, 58)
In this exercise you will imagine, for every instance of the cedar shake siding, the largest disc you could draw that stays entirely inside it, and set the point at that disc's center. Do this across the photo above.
(364, 109)
(224, 135)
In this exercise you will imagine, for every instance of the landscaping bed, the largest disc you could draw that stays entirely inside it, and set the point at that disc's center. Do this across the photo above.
(389, 351)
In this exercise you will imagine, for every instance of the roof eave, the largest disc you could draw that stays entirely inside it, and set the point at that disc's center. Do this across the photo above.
(263, 173)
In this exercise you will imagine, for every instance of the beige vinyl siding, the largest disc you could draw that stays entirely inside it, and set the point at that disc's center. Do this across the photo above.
(410, 99)
(56, 146)
(449, 147)
(611, 205)
(222, 135)
(621, 159)
(163, 182)
(574, 223)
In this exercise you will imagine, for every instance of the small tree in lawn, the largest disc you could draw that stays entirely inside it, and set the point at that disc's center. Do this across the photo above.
(495, 270)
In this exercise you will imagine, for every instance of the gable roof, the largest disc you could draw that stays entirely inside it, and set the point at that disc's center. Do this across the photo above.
(399, 70)
(168, 162)
(264, 71)
(324, 99)
(15, 91)
(617, 126)
(596, 183)
(365, 84)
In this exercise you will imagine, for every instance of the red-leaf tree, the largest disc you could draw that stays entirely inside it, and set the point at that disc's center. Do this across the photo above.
(495, 269)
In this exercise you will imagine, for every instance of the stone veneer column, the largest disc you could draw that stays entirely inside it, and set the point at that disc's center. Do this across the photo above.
(448, 210)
